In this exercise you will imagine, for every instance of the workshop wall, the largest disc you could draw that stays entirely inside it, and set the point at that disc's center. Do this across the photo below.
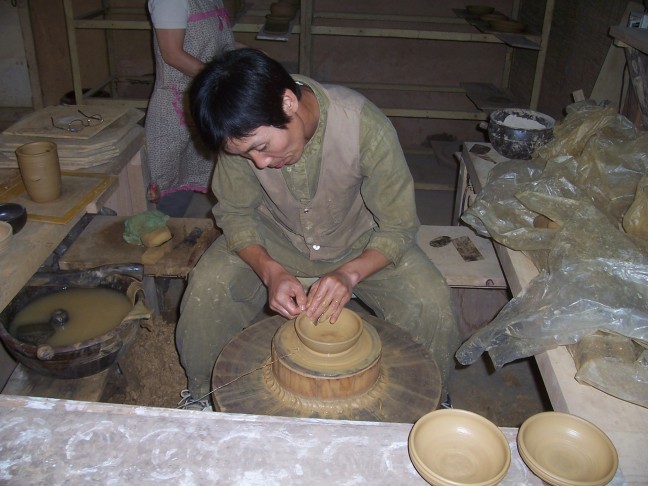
(578, 45)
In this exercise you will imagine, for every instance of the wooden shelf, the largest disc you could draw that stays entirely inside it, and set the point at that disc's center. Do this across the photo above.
(631, 37)
(309, 23)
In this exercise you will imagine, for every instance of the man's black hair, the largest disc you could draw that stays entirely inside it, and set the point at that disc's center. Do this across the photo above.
(238, 92)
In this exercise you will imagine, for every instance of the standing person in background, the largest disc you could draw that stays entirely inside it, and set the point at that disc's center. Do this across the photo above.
(187, 34)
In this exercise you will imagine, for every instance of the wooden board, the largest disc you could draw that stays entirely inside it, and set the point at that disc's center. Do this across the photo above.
(81, 153)
(488, 97)
(102, 243)
(458, 271)
(39, 123)
(77, 191)
(25, 382)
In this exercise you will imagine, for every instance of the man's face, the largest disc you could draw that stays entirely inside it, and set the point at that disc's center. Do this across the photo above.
(269, 147)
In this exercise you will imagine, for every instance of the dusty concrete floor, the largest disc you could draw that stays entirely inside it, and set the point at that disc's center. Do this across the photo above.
(507, 396)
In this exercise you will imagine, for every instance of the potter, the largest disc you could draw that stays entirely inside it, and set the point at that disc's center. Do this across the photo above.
(311, 182)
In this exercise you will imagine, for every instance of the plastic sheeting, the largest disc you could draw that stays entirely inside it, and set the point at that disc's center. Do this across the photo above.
(564, 209)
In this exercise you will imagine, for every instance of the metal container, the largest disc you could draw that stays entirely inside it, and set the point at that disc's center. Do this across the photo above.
(516, 133)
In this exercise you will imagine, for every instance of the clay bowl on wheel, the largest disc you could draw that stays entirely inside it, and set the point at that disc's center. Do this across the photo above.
(452, 447)
(566, 450)
(14, 214)
(516, 133)
(326, 338)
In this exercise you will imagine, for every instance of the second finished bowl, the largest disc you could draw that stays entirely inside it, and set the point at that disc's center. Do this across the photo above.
(453, 447)
(566, 450)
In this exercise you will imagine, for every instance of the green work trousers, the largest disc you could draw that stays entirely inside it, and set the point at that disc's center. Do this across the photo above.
(224, 295)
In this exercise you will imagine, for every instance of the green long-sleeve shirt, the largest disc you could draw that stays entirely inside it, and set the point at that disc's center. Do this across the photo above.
(387, 188)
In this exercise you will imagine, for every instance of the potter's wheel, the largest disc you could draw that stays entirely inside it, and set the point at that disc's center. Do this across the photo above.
(389, 378)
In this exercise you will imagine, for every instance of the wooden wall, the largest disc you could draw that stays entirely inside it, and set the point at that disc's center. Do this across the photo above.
(578, 45)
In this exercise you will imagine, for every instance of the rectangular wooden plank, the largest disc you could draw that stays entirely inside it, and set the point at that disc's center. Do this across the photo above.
(25, 382)
(488, 97)
(102, 243)
(458, 272)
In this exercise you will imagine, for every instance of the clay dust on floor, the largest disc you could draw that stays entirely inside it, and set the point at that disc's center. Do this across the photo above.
(150, 373)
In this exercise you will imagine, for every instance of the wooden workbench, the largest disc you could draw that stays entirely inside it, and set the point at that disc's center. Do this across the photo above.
(56, 442)
(31, 247)
(626, 424)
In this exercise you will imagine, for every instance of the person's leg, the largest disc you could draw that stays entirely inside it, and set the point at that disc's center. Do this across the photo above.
(222, 297)
(415, 296)
(175, 204)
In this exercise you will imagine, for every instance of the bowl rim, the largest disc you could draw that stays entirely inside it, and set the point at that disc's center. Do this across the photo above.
(12, 204)
(548, 475)
(492, 118)
(418, 462)
(345, 344)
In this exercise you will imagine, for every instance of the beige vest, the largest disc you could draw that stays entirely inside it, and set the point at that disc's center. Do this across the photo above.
(327, 226)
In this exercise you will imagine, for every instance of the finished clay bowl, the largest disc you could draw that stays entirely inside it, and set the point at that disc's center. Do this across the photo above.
(276, 24)
(479, 9)
(286, 10)
(492, 16)
(14, 214)
(6, 231)
(507, 26)
(326, 338)
(453, 447)
(566, 450)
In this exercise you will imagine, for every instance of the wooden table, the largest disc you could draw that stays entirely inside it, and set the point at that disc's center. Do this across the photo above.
(626, 424)
(37, 240)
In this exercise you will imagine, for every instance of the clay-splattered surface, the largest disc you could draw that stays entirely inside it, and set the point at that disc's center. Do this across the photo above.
(50, 441)
(152, 375)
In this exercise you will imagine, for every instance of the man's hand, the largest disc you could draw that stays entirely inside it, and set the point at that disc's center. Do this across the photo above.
(285, 293)
(328, 296)
(330, 293)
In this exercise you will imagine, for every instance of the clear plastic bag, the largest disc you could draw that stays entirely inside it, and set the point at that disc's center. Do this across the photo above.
(613, 363)
(593, 276)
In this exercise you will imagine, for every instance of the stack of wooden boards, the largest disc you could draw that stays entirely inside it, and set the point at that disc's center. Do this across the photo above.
(89, 147)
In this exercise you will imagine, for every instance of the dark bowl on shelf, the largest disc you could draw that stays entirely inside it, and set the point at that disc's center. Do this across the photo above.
(516, 133)
(14, 214)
